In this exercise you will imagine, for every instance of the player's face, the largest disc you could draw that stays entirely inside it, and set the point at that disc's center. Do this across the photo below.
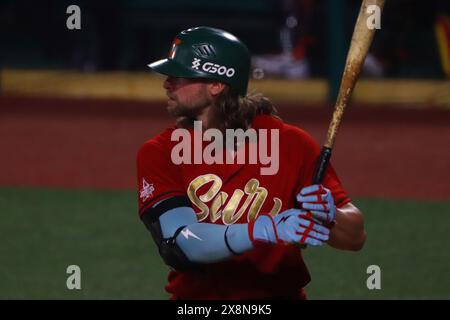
(187, 97)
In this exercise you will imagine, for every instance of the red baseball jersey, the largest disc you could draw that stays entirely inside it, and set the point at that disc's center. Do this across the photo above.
(237, 193)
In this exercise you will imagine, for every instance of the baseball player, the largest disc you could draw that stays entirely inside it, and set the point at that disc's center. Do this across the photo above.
(226, 229)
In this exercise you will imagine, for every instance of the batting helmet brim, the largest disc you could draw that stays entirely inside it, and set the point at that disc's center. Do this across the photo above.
(172, 68)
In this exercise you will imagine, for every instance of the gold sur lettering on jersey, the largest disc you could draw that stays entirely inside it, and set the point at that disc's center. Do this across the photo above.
(226, 207)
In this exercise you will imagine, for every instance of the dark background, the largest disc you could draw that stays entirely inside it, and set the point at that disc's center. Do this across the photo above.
(126, 35)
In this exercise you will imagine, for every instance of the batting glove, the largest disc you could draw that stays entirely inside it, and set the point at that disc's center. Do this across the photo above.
(288, 227)
(319, 203)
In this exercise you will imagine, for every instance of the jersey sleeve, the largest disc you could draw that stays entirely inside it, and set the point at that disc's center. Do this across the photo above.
(310, 152)
(158, 178)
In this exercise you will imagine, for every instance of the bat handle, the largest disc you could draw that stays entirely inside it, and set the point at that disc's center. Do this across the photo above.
(319, 172)
(321, 166)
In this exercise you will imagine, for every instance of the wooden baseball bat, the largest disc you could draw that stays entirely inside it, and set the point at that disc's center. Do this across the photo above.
(361, 40)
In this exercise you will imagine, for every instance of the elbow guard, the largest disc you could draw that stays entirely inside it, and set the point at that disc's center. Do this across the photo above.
(169, 251)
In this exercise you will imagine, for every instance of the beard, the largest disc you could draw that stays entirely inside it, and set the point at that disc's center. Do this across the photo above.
(180, 110)
(186, 113)
(184, 117)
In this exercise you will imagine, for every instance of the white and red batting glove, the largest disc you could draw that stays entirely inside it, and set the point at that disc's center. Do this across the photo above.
(288, 227)
(319, 203)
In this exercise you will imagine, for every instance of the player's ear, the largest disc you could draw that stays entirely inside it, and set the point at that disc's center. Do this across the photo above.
(215, 88)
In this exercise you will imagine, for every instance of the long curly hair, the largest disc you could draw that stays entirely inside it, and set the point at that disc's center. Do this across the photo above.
(231, 111)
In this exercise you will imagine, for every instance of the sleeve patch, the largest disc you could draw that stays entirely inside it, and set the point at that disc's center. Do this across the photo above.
(146, 190)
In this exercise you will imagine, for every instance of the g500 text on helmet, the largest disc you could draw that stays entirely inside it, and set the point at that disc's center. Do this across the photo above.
(213, 68)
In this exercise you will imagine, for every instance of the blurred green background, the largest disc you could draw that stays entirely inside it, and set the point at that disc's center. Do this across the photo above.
(101, 233)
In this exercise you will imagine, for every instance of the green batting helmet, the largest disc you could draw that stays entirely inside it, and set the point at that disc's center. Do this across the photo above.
(204, 52)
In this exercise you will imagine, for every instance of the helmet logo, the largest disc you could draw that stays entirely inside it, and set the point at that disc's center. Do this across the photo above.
(175, 44)
(213, 68)
(204, 50)
(195, 63)
(220, 70)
